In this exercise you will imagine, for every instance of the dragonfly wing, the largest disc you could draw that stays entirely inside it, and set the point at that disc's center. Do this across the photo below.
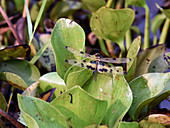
(105, 68)
(89, 64)
(116, 60)
(80, 53)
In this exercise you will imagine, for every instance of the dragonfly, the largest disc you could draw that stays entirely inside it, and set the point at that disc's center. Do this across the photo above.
(96, 63)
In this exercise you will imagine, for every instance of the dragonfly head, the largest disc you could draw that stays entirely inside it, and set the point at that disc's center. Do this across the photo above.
(97, 55)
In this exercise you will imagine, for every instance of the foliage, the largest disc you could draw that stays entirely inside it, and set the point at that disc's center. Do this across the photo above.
(78, 99)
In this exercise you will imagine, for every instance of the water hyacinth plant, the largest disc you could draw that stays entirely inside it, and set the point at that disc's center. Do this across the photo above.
(121, 96)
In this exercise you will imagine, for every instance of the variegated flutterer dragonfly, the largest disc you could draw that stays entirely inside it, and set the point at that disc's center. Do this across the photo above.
(96, 63)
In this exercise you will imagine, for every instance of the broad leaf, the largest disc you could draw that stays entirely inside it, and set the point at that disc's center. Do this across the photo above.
(132, 53)
(112, 24)
(147, 124)
(146, 57)
(145, 89)
(158, 65)
(32, 90)
(77, 76)
(14, 52)
(96, 126)
(66, 33)
(14, 80)
(28, 72)
(157, 22)
(129, 125)
(52, 80)
(40, 114)
(116, 91)
(162, 96)
(159, 118)
(80, 108)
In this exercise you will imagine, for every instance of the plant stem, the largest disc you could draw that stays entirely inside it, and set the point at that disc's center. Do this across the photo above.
(12, 120)
(109, 3)
(128, 39)
(11, 26)
(154, 40)
(164, 31)
(9, 102)
(103, 47)
(122, 47)
(128, 35)
(147, 24)
(110, 48)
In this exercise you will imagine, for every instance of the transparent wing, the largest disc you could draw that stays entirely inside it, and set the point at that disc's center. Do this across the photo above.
(105, 68)
(80, 53)
(89, 64)
(167, 58)
(116, 60)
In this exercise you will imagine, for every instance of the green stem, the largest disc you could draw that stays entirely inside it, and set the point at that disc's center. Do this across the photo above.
(103, 47)
(147, 23)
(109, 3)
(154, 40)
(128, 39)
(128, 35)
(9, 102)
(110, 48)
(164, 31)
(122, 47)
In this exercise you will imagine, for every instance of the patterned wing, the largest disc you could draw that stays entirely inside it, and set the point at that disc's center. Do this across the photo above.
(115, 60)
(105, 68)
(89, 64)
(167, 58)
(80, 53)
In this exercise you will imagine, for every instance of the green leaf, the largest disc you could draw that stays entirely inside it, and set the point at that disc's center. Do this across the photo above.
(147, 124)
(165, 11)
(40, 114)
(66, 33)
(157, 22)
(146, 57)
(145, 89)
(80, 108)
(28, 72)
(135, 29)
(28, 22)
(52, 80)
(92, 5)
(96, 126)
(112, 24)
(32, 90)
(77, 76)
(116, 91)
(14, 80)
(158, 65)
(9, 52)
(137, 3)
(163, 95)
(132, 53)
(129, 125)
(37, 20)
(3, 104)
